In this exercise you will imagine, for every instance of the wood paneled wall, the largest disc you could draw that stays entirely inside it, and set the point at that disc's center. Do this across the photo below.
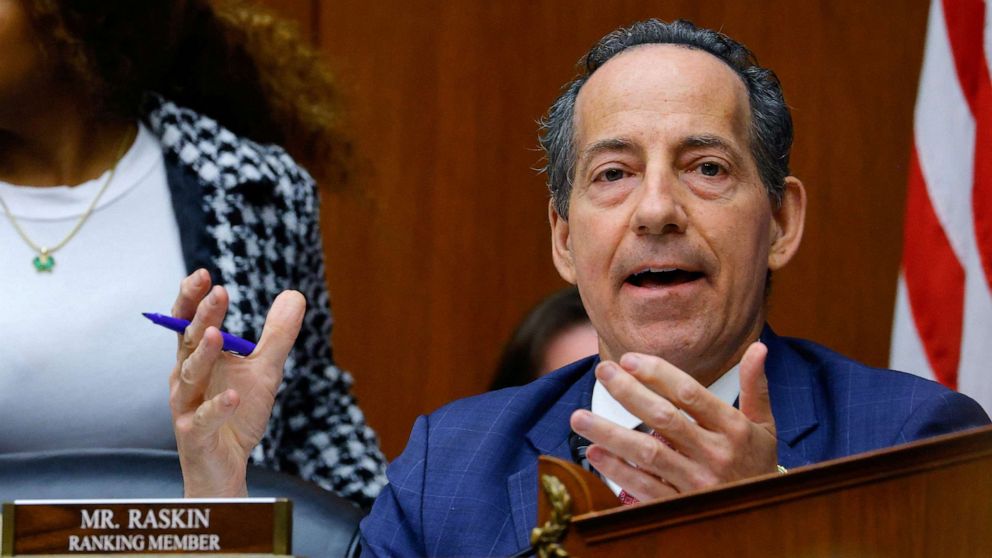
(440, 242)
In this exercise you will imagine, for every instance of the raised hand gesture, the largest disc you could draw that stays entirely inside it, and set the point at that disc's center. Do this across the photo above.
(700, 441)
(221, 402)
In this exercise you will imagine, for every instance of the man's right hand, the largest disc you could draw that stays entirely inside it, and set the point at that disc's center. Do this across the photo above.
(221, 402)
(717, 445)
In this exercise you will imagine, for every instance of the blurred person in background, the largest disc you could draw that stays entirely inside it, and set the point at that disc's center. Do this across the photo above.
(139, 142)
(554, 333)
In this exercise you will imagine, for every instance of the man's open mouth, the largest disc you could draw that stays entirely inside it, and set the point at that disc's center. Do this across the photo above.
(663, 277)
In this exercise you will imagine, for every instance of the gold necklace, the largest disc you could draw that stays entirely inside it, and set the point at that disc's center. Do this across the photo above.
(44, 260)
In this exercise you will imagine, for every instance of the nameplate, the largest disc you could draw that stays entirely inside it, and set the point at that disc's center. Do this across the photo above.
(260, 526)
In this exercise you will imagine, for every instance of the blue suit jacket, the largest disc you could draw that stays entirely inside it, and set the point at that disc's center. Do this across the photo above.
(466, 485)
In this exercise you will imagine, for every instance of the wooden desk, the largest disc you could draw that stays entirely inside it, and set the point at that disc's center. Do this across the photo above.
(928, 498)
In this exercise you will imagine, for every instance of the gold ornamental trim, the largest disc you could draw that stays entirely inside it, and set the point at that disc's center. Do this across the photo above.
(546, 539)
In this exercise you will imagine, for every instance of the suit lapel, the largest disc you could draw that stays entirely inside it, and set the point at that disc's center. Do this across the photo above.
(791, 387)
(187, 203)
(548, 436)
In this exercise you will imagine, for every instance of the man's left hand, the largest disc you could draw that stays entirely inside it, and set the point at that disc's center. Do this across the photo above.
(719, 445)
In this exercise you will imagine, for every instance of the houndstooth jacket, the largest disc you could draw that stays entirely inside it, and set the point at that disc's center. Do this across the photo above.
(249, 215)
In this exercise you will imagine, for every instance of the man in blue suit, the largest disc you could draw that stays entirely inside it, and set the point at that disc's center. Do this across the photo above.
(672, 204)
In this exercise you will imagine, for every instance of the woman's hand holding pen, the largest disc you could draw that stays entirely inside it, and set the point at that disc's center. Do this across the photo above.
(221, 402)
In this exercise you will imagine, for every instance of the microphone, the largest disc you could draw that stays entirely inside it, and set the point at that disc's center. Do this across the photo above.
(578, 445)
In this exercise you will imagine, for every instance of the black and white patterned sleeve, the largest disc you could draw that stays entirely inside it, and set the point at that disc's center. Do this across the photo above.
(261, 213)
(317, 430)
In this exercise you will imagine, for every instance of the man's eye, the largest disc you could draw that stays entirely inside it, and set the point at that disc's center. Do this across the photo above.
(612, 175)
(710, 169)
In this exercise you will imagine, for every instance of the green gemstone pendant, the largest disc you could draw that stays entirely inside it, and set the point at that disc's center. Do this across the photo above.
(43, 262)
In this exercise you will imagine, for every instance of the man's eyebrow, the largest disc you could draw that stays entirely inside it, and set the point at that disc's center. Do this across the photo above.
(606, 146)
(713, 141)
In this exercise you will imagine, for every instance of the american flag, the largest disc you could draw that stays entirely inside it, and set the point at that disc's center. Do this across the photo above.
(943, 321)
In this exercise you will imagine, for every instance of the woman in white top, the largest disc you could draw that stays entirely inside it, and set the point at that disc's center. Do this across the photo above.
(139, 141)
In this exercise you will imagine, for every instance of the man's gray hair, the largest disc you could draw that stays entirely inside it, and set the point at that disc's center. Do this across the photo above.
(771, 123)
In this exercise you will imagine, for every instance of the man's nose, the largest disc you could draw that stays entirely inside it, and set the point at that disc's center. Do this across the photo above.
(659, 205)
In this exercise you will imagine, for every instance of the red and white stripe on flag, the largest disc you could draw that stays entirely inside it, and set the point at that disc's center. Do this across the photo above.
(943, 321)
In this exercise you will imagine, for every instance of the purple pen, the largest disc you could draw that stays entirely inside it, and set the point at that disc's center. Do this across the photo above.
(232, 344)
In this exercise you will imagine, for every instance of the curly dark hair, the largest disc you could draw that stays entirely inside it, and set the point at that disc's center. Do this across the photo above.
(229, 59)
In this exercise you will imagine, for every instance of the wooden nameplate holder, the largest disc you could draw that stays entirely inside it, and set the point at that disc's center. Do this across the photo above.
(257, 526)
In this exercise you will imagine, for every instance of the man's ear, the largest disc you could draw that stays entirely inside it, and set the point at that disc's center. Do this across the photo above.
(787, 224)
(561, 244)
